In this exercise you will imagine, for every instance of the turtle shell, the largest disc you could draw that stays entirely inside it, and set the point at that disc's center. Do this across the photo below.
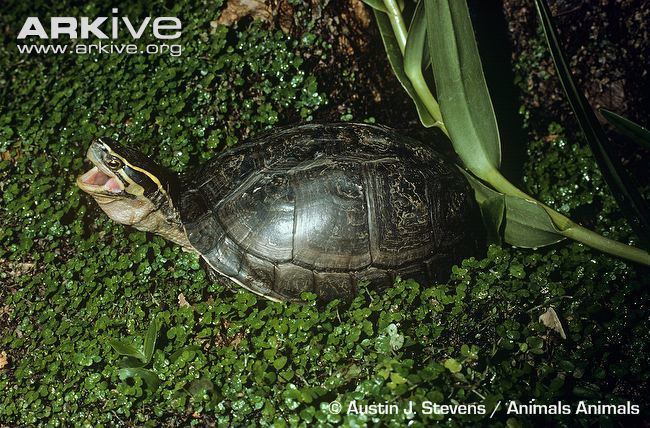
(320, 208)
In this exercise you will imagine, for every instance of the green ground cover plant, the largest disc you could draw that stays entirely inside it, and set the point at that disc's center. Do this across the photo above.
(79, 293)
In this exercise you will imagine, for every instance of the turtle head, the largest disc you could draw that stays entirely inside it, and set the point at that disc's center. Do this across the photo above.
(129, 187)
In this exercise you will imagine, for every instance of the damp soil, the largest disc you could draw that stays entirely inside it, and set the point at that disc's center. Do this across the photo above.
(608, 46)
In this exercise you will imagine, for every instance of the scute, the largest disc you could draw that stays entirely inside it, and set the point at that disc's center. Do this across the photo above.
(259, 216)
(332, 286)
(226, 257)
(405, 231)
(205, 233)
(331, 217)
(292, 280)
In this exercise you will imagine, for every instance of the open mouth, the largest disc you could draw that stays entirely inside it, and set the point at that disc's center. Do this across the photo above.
(96, 180)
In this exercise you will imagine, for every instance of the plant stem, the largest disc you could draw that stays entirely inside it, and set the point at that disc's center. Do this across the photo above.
(397, 22)
(414, 72)
(571, 229)
(427, 98)
(606, 245)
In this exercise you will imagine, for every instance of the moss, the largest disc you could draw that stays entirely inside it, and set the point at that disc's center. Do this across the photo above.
(73, 281)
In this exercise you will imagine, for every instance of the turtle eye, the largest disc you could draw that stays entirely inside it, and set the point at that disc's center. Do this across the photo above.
(113, 163)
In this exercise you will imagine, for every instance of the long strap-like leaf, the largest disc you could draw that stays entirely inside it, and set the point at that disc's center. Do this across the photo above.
(633, 131)
(619, 182)
(460, 83)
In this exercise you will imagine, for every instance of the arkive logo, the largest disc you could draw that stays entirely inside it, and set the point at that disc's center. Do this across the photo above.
(163, 28)
(63, 29)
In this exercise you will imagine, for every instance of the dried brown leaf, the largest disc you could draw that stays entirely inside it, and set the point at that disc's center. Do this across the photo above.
(238, 9)
(552, 321)
(182, 302)
(4, 360)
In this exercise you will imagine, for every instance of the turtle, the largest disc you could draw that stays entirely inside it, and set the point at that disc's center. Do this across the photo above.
(318, 208)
